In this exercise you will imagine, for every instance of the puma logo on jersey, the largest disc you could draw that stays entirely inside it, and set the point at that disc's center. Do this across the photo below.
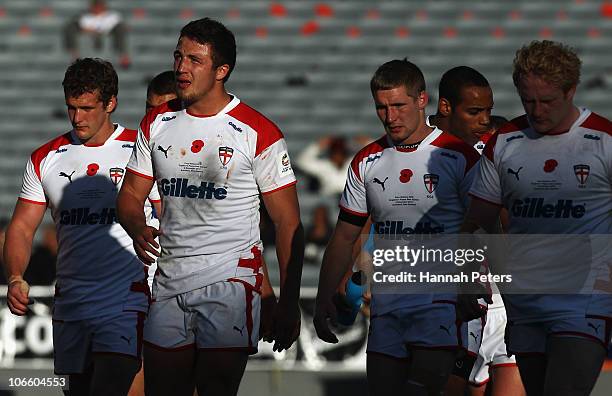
(160, 148)
(239, 329)
(511, 138)
(130, 146)
(474, 336)
(592, 137)
(447, 329)
(69, 176)
(61, 150)
(591, 325)
(168, 118)
(382, 183)
(515, 173)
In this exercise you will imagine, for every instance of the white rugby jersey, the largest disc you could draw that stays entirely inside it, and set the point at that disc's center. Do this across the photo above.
(96, 264)
(410, 192)
(209, 170)
(550, 184)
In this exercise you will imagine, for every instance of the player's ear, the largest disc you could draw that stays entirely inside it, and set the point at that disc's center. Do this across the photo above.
(444, 107)
(422, 100)
(111, 105)
(221, 72)
(570, 93)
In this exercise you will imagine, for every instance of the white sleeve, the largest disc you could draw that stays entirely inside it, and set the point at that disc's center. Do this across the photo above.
(487, 184)
(353, 198)
(140, 163)
(272, 168)
(32, 188)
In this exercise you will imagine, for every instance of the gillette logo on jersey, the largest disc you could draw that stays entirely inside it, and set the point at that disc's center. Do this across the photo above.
(83, 216)
(535, 208)
(180, 187)
(390, 228)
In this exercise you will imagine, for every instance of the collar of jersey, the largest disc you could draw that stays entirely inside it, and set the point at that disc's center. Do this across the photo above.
(113, 136)
(584, 114)
(228, 107)
(425, 142)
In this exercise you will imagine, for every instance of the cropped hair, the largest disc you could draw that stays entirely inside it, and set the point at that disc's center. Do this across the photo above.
(458, 78)
(398, 73)
(220, 38)
(162, 84)
(88, 75)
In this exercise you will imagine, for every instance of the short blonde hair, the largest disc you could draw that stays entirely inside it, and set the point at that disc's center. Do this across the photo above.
(554, 62)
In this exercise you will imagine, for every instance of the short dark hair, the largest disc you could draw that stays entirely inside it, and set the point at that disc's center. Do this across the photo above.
(458, 78)
(220, 38)
(162, 84)
(396, 73)
(88, 75)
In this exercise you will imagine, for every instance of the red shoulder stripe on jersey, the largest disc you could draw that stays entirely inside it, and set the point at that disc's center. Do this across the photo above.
(280, 188)
(139, 174)
(451, 142)
(267, 132)
(490, 146)
(376, 146)
(40, 153)
(154, 200)
(477, 198)
(171, 106)
(32, 202)
(128, 135)
(598, 123)
(515, 125)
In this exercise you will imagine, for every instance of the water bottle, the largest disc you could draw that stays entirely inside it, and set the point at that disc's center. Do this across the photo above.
(348, 306)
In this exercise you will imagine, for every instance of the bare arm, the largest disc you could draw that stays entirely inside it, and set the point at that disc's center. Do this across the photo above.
(336, 261)
(130, 212)
(481, 214)
(17, 249)
(284, 210)
(268, 306)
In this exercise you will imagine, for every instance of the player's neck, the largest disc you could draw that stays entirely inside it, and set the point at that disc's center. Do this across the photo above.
(440, 121)
(211, 104)
(107, 129)
(565, 124)
(417, 136)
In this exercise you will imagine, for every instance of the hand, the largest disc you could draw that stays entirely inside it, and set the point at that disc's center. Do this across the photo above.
(18, 296)
(286, 325)
(468, 307)
(324, 310)
(266, 323)
(144, 243)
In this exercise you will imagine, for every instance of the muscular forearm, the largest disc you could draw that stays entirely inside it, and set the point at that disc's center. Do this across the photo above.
(17, 251)
(130, 213)
(336, 263)
(290, 252)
